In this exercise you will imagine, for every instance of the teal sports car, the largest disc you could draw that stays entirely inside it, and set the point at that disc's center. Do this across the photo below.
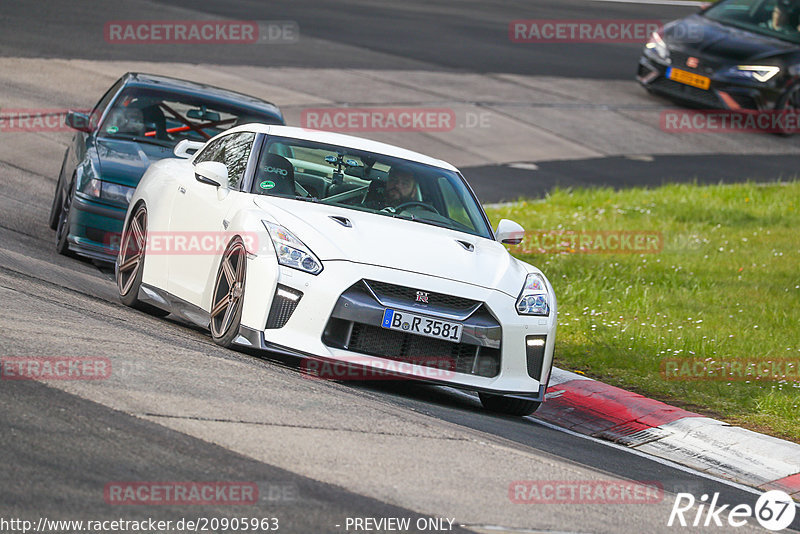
(138, 121)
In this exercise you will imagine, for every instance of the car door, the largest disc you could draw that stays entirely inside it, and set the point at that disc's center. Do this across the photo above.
(200, 216)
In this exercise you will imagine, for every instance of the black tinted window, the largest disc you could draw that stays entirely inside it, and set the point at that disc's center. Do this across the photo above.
(232, 150)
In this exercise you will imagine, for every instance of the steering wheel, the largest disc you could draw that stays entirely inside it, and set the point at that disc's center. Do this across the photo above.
(415, 203)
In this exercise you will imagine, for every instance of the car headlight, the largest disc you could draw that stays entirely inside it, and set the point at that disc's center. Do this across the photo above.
(760, 73)
(658, 46)
(533, 297)
(116, 193)
(291, 251)
(92, 187)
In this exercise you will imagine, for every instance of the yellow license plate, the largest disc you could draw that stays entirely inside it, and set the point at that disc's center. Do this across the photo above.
(689, 78)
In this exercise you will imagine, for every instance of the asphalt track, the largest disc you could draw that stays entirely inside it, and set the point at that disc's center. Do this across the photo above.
(178, 408)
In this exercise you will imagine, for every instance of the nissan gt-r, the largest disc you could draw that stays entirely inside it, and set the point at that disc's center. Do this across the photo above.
(340, 249)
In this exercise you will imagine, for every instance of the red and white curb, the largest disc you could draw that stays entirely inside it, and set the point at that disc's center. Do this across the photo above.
(596, 409)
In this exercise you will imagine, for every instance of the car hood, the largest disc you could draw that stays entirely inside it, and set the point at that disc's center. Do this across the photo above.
(398, 244)
(699, 36)
(124, 162)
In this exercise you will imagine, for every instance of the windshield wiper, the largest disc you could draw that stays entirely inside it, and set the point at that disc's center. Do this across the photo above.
(306, 199)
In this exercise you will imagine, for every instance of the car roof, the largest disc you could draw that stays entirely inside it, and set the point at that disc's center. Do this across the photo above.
(210, 92)
(349, 141)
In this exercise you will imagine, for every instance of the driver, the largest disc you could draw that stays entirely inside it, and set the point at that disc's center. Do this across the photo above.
(780, 20)
(401, 187)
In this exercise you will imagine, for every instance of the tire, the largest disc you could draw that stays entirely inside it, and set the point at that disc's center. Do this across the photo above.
(130, 263)
(55, 208)
(507, 405)
(789, 101)
(228, 295)
(63, 225)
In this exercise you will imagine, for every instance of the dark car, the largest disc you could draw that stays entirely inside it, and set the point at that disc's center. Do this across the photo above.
(139, 120)
(734, 55)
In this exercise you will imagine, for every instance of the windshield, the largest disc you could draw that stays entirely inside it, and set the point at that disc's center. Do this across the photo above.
(367, 181)
(775, 18)
(163, 117)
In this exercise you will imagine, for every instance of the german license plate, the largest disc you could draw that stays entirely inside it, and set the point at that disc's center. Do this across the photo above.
(689, 78)
(412, 323)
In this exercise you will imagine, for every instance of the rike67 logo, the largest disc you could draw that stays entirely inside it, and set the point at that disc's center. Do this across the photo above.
(774, 510)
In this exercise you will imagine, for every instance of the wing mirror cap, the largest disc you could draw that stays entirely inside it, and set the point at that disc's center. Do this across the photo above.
(212, 173)
(509, 232)
(78, 121)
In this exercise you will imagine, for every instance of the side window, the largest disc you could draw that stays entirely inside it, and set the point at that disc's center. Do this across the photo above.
(237, 152)
(212, 152)
(100, 107)
(232, 150)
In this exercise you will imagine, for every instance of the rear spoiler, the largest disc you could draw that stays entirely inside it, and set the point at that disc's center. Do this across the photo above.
(186, 149)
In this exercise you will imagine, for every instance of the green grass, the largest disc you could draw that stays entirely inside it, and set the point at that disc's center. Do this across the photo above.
(725, 286)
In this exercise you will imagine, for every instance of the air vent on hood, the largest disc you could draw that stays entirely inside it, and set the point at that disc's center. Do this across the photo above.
(344, 221)
(469, 247)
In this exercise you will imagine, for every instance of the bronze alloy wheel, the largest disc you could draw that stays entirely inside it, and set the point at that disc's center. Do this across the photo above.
(131, 251)
(228, 292)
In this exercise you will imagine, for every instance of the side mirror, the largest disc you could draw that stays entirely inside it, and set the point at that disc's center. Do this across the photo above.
(212, 173)
(186, 148)
(509, 232)
(77, 121)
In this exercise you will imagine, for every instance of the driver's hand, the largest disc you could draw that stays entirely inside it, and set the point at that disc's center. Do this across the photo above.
(389, 209)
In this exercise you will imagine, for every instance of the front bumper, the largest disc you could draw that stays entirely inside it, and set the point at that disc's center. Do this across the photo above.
(95, 228)
(723, 93)
(494, 355)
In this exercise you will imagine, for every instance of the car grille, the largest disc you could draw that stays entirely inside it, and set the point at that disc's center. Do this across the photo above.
(706, 65)
(354, 326)
(424, 351)
(390, 294)
(708, 99)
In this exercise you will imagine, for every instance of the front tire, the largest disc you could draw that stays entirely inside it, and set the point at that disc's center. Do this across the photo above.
(130, 263)
(507, 405)
(55, 208)
(63, 224)
(228, 295)
(789, 101)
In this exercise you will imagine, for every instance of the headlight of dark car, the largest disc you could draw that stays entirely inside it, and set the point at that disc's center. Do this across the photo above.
(759, 73)
(657, 46)
(118, 194)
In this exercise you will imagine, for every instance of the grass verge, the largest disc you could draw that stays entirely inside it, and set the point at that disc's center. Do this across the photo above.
(722, 288)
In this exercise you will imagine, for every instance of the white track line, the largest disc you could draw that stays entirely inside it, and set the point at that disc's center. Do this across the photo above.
(688, 3)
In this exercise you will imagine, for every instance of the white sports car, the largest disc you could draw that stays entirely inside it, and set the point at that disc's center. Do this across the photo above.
(340, 249)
